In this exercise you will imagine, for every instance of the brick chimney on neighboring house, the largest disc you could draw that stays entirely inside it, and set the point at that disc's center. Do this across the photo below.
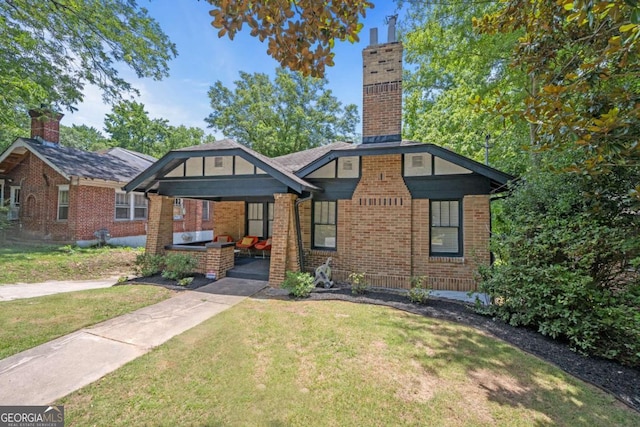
(382, 88)
(45, 124)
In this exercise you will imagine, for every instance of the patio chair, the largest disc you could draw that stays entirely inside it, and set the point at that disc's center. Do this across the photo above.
(223, 238)
(263, 245)
(246, 243)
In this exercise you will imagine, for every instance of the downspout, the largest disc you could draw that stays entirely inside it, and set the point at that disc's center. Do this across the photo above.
(299, 229)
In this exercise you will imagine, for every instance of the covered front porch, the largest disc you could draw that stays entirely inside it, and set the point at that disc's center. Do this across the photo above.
(249, 196)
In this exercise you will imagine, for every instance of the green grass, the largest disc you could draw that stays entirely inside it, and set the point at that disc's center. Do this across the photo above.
(277, 363)
(32, 264)
(27, 323)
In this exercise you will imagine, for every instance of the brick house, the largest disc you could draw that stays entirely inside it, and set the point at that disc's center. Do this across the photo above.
(392, 209)
(62, 194)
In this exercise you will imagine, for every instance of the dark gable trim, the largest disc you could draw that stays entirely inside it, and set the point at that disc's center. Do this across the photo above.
(443, 187)
(171, 160)
(335, 188)
(223, 187)
(499, 178)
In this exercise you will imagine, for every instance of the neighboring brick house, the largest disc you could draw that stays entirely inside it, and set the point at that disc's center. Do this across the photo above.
(62, 194)
(392, 209)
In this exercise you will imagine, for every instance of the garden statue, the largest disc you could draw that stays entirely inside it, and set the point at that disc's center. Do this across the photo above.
(323, 275)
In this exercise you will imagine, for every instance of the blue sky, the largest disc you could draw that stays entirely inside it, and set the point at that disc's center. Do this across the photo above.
(203, 59)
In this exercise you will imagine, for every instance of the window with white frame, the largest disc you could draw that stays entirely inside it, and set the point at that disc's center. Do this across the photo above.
(14, 197)
(123, 206)
(14, 202)
(205, 210)
(446, 230)
(324, 225)
(63, 202)
(132, 206)
(140, 206)
(178, 209)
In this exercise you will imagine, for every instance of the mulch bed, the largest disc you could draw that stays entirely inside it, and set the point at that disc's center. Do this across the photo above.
(621, 381)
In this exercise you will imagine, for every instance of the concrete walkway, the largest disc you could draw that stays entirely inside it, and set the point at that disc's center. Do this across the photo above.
(31, 290)
(43, 374)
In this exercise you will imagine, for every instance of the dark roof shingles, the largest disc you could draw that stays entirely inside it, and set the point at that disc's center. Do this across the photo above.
(86, 164)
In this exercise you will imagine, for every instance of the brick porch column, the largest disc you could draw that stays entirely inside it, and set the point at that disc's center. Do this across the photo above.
(284, 249)
(160, 224)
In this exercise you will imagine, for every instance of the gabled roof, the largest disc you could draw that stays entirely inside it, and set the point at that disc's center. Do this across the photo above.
(292, 169)
(498, 178)
(296, 161)
(225, 147)
(117, 165)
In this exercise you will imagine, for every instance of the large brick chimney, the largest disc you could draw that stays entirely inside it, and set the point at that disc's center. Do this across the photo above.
(45, 124)
(382, 88)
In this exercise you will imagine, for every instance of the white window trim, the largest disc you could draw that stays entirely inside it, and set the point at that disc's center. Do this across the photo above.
(12, 196)
(14, 210)
(132, 207)
(62, 188)
(207, 210)
(178, 209)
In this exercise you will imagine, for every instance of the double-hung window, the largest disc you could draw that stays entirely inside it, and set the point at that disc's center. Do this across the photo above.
(446, 230)
(324, 225)
(205, 210)
(140, 206)
(123, 207)
(63, 202)
(132, 206)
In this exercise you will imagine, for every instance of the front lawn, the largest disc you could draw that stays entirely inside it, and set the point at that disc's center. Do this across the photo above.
(32, 264)
(27, 323)
(270, 362)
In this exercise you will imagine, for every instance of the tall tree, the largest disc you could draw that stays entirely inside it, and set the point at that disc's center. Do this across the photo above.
(571, 245)
(130, 127)
(450, 68)
(289, 114)
(51, 49)
(183, 136)
(300, 33)
(83, 137)
(582, 59)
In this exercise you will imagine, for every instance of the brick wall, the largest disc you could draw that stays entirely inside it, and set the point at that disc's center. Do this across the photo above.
(39, 200)
(220, 260)
(228, 219)
(200, 256)
(384, 233)
(284, 249)
(90, 207)
(160, 225)
(192, 219)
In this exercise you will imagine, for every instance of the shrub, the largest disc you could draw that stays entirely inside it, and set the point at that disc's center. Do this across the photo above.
(298, 284)
(568, 266)
(358, 284)
(419, 292)
(178, 266)
(147, 265)
(185, 281)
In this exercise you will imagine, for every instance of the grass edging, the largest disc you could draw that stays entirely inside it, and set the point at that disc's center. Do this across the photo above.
(30, 322)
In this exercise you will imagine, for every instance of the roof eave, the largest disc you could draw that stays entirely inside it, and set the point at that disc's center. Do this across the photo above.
(491, 173)
(150, 175)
